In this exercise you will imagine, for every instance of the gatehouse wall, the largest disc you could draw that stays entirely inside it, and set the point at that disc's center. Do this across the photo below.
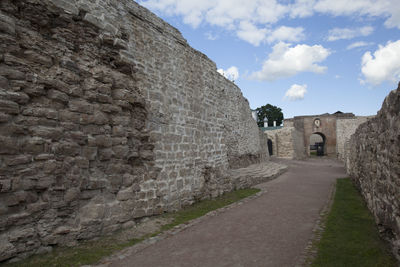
(107, 115)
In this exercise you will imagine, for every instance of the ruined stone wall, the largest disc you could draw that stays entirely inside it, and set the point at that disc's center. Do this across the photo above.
(345, 127)
(374, 165)
(286, 142)
(107, 115)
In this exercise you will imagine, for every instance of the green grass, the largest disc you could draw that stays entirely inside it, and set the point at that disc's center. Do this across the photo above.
(201, 208)
(351, 236)
(91, 252)
(313, 153)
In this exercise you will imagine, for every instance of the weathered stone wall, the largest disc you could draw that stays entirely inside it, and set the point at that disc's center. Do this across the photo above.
(107, 115)
(326, 128)
(286, 142)
(374, 165)
(345, 127)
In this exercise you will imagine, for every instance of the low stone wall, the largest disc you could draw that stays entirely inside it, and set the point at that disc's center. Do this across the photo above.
(373, 162)
(107, 115)
(286, 143)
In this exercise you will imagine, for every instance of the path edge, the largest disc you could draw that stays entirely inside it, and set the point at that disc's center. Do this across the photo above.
(310, 251)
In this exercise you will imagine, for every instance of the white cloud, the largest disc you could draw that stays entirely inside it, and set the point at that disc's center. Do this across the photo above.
(231, 73)
(302, 8)
(358, 44)
(211, 36)
(250, 19)
(382, 65)
(250, 33)
(222, 13)
(346, 33)
(286, 61)
(288, 34)
(388, 9)
(262, 14)
(296, 92)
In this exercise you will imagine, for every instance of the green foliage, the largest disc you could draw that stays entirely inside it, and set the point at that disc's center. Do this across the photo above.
(272, 113)
(90, 252)
(351, 236)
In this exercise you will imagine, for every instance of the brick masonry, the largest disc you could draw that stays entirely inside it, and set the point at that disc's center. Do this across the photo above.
(373, 162)
(107, 115)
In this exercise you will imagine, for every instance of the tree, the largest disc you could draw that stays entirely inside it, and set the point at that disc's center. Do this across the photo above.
(272, 113)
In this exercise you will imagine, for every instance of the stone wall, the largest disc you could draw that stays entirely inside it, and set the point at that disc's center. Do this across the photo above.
(286, 142)
(373, 162)
(107, 115)
(345, 127)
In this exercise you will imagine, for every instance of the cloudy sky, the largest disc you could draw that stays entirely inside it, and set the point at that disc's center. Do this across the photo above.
(305, 56)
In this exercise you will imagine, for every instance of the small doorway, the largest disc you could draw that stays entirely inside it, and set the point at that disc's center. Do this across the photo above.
(270, 147)
(317, 144)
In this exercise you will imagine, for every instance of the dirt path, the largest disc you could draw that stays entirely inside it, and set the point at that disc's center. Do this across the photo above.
(271, 230)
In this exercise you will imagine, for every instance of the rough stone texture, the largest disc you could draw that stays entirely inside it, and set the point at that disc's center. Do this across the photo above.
(107, 115)
(287, 142)
(373, 162)
(345, 127)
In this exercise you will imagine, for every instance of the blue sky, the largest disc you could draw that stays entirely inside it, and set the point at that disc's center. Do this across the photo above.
(304, 56)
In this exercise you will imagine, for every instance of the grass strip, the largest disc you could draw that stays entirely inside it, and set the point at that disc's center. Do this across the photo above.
(351, 237)
(90, 252)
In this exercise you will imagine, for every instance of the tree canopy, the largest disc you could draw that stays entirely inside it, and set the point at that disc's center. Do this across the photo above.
(272, 113)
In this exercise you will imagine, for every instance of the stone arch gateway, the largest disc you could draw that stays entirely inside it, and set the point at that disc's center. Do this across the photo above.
(317, 143)
(293, 140)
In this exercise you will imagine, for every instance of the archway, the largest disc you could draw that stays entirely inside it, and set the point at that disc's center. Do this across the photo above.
(270, 151)
(317, 144)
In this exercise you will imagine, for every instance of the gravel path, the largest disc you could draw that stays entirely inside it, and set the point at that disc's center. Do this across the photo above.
(270, 230)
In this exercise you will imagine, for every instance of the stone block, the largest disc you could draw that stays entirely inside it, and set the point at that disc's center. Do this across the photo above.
(121, 151)
(18, 97)
(125, 194)
(7, 24)
(68, 116)
(9, 107)
(67, 6)
(38, 58)
(72, 194)
(91, 213)
(5, 185)
(7, 250)
(108, 108)
(66, 148)
(79, 105)
(47, 132)
(11, 73)
(58, 96)
(89, 152)
(18, 160)
(4, 117)
(8, 145)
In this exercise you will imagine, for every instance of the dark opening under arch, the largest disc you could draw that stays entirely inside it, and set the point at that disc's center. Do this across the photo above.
(270, 151)
(317, 144)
